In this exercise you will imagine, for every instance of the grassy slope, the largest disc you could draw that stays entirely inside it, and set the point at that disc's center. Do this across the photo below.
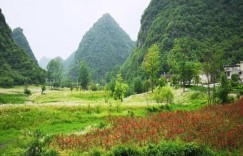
(70, 112)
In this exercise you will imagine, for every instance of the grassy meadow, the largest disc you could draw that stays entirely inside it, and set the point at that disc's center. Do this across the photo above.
(52, 121)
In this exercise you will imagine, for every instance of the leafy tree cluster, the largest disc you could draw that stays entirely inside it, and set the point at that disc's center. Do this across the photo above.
(120, 88)
(16, 67)
(55, 73)
(84, 77)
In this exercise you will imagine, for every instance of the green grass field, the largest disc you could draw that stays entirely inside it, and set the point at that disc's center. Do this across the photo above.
(76, 112)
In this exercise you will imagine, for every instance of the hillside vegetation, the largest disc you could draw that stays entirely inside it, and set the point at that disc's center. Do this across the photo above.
(104, 48)
(21, 40)
(195, 26)
(16, 67)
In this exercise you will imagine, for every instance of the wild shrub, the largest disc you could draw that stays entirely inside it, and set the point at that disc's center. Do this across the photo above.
(26, 90)
(178, 148)
(196, 95)
(43, 88)
(126, 150)
(120, 88)
(235, 80)
(163, 94)
(37, 144)
(94, 87)
(161, 82)
(223, 90)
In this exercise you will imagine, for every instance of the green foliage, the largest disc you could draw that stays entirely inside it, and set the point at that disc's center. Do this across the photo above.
(151, 63)
(26, 90)
(146, 85)
(12, 98)
(164, 148)
(120, 88)
(197, 95)
(178, 148)
(163, 94)
(126, 151)
(235, 80)
(161, 108)
(43, 88)
(196, 27)
(94, 87)
(138, 85)
(16, 67)
(174, 80)
(161, 82)
(104, 48)
(84, 76)
(55, 73)
(37, 145)
(182, 62)
(6, 82)
(223, 90)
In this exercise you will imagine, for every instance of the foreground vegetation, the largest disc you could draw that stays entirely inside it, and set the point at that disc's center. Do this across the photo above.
(88, 122)
(219, 127)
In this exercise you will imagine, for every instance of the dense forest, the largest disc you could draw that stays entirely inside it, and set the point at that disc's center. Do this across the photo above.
(192, 28)
(21, 40)
(16, 67)
(104, 48)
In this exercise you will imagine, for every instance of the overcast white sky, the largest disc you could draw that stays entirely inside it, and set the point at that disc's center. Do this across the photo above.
(56, 27)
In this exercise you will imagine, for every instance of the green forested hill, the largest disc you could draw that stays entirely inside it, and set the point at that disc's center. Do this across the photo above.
(104, 47)
(16, 67)
(194, 25)
(21, 40)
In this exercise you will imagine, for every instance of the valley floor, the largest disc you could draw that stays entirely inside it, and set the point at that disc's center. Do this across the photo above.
(65, 113)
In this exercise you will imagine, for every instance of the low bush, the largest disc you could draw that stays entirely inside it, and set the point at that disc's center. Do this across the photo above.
(163, 94)
(178, 148)
(126, 150)
(160, 108)
(43, 88)
(37, 144)
(27, 91)
(196, 95)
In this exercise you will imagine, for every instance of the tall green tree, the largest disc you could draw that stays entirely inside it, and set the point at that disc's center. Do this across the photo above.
(138, 85)
(224, 89)
(55, 73)
(120, 88)
(183, 61)
(84, 75)
(151, 63)
(211, 57)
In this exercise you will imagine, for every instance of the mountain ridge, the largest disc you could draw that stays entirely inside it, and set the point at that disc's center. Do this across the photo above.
(16, 67)
(105, 46)
(22, 41)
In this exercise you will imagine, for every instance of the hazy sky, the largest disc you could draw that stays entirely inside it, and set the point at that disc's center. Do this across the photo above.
(56, 27)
